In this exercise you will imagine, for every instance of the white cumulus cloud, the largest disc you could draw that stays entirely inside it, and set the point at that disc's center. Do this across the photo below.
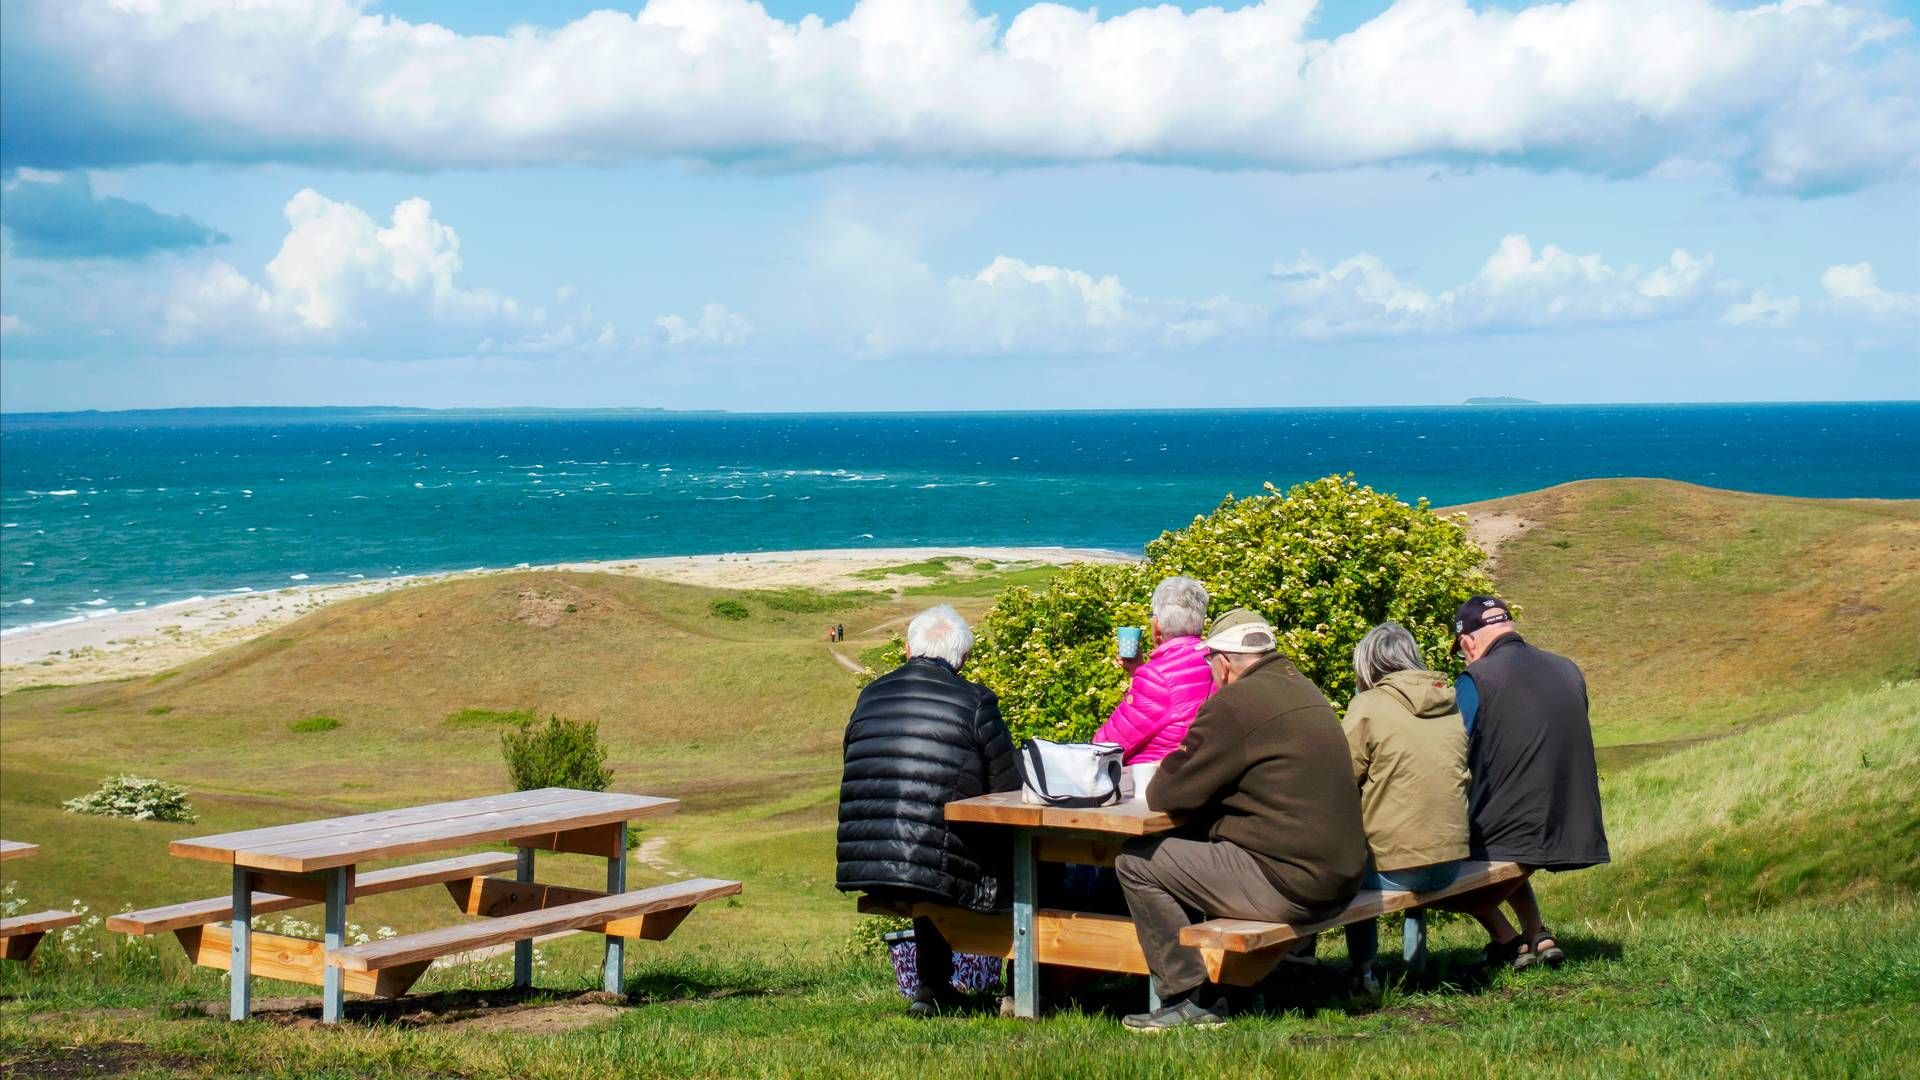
(716, 327)
(1515, 289)
(11, 324)
(1853, 287)
(1802, 95)
(340, 274)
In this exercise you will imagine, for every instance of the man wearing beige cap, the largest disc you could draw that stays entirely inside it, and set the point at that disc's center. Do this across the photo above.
(1264, 788)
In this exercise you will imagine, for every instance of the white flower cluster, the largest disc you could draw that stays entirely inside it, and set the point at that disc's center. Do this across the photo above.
(135, 797)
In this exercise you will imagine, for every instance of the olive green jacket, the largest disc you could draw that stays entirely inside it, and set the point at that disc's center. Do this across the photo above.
(1409, 752)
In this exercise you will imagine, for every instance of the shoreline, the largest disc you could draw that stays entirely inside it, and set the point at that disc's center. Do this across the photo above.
(148, 640)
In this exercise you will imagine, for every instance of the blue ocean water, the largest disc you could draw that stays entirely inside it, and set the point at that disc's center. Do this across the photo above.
(99, 513)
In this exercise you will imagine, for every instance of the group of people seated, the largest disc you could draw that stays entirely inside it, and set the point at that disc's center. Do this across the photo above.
(1286, 810)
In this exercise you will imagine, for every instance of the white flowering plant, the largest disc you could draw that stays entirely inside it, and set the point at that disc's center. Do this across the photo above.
(136, 797)
(1324, 561)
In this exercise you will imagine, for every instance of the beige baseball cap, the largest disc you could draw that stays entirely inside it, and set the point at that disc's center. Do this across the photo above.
(1242, 630)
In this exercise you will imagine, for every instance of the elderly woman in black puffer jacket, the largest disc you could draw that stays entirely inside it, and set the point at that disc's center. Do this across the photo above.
(920, 737)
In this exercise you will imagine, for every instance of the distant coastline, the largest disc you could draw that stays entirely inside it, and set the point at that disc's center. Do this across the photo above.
(1499, 401)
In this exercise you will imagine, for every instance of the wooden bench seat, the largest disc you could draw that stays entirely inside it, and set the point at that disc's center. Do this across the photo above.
(20, 934)
(1238, 952)
(617, 915)
(396, 879)
(1241, 951)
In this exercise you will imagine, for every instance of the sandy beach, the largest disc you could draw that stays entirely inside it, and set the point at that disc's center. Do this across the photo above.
(150, 640)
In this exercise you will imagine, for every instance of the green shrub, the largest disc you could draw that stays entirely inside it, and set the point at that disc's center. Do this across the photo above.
(729, 609)
(565, 753)
(160, 710)
(314, 724)
(136, 797)
(880, 659)
(1324, 562)
(473, 718)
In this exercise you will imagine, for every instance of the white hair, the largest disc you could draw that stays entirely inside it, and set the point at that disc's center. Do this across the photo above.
(1180, 603)
(940, 633)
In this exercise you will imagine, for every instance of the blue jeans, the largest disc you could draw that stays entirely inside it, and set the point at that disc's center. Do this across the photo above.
(1363, 938)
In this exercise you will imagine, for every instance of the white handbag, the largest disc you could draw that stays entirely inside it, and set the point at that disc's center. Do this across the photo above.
(1071, 775)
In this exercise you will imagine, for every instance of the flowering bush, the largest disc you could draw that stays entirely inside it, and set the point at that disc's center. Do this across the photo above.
(1324, 562)
(135, 797)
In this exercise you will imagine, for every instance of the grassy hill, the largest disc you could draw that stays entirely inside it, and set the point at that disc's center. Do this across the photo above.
(1759, 795)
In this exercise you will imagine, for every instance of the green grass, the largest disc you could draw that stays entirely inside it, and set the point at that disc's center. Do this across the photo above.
(1758, 920)
(312, 725)
(938, 566)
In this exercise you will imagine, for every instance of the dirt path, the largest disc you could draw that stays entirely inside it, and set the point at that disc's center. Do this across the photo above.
(842, 659)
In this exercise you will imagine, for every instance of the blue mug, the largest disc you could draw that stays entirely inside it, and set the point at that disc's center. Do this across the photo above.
(1129, 642)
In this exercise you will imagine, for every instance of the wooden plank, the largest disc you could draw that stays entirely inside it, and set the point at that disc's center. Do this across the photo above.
(220, 847)
(1006, 808)
(1251, 935)
(14, 849)
(310, 887)
(372, 883)
(428, 944)
(345, 849)
(19, 947)
(652, 926)
(38, 923)
(1085, 940)
(608, 841)
(289, 959)
(876, 905)
(497, 897)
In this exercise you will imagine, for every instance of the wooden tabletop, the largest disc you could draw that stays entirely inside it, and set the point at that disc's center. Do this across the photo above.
(14, 849)
(321, 845)
(1006, 808)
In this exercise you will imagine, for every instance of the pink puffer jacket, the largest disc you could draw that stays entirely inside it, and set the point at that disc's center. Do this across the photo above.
(1167, 691)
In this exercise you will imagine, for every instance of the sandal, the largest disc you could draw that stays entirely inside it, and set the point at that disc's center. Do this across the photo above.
(1514, 953)
(1551, 955)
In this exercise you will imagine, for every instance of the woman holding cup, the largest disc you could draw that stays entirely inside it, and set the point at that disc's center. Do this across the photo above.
(1169, 685)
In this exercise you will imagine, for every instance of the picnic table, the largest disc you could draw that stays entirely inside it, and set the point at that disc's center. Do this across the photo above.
(288, 866)
(1237, 952)
(21, 934)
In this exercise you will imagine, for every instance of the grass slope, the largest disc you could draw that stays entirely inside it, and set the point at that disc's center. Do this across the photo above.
(1768, 624)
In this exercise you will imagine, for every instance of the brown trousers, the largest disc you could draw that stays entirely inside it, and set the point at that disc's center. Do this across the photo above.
(1168, 878)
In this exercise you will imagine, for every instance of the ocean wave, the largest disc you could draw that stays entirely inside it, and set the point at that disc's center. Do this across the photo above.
(56, 494)
(296, 577)
(95, 602)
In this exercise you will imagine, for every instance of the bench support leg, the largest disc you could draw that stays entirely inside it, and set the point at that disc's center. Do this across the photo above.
(615, 976)
(1026, 964)
(239, 1001)
(333, 994)
(523, 950)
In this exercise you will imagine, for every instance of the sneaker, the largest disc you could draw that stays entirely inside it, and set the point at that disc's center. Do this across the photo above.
(1364, 985)
(925, 1005)
(1187, 1014)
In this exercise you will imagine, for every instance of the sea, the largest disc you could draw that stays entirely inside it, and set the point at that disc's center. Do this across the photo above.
(108, 512)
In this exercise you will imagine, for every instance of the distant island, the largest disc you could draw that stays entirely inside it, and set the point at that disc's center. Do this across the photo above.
(1499, 401)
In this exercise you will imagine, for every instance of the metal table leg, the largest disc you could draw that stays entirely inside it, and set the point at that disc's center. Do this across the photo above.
(333, 994)
(615, 975)
(523, 950)
(239, 999)
(1026, 965)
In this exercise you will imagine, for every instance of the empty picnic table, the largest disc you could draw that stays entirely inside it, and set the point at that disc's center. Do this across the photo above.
(317, 861)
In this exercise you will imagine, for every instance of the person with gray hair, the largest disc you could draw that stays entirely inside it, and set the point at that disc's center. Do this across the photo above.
(1409, 752)
(1168, 687)
(921, 737)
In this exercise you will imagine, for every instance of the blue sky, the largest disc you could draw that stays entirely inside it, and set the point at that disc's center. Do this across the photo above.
(715, 206)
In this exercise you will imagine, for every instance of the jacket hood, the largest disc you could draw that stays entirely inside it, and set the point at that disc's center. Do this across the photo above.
(1425, 693)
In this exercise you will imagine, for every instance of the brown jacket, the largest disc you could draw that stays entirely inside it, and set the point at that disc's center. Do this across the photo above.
(1409, 752)
(1264, 767)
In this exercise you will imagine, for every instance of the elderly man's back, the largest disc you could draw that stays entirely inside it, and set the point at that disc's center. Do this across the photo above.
(920, 737)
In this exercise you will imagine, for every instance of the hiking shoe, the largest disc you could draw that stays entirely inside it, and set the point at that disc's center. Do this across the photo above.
(1187, 1014)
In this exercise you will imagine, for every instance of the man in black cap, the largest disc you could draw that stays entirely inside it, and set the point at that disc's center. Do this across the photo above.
(1535, 798)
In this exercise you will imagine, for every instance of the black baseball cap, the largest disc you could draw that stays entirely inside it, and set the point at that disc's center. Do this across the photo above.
(1478, 612)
